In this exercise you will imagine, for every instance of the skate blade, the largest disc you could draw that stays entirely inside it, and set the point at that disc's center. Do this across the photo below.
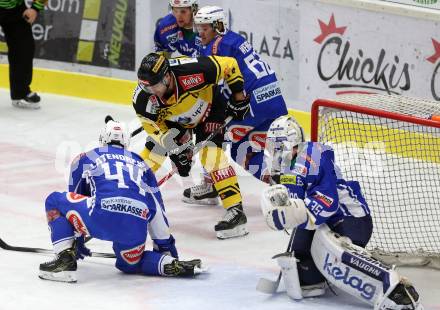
(238, 231)
(202, 202)
(200, 269)
(62, 276)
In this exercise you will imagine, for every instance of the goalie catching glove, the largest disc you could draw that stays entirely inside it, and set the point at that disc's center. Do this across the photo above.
(280, 211)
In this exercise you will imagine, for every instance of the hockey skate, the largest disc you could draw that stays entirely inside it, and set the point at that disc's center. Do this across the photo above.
(404, 297)
(201, 194)
(233, 224)
(184, 268)
(61, 269)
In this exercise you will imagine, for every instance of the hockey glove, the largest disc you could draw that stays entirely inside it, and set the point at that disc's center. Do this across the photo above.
(166, 246)
(80, 248)
(238, 109)
(183, 160)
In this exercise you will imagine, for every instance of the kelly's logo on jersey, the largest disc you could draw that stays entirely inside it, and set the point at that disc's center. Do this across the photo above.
(191, 81)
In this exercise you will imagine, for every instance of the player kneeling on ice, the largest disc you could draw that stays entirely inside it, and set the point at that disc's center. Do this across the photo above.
(331, 221)
(113, 196)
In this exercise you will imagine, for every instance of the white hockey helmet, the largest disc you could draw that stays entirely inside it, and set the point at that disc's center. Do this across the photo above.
(282, 136)
(114, 133)
(213, 15)
(193, 4)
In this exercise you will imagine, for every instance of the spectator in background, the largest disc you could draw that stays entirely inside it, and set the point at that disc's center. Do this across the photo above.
(16, 19)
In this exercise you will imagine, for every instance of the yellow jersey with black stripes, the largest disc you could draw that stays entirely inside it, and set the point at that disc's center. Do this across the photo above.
(196, 81)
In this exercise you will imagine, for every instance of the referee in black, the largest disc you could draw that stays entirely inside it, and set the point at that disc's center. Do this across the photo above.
(16, 19)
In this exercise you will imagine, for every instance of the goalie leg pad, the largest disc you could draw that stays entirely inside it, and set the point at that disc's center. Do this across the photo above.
(353, 270)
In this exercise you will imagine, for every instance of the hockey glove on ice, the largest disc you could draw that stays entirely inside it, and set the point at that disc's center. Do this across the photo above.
(238, 109)
(80, 248)
(166, 246)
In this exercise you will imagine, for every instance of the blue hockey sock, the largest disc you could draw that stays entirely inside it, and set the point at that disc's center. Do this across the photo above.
(62, 234)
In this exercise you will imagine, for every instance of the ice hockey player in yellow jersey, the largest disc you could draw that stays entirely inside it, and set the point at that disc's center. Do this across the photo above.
(179, 97)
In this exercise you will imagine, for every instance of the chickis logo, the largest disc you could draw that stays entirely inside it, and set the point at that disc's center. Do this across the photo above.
(191, 81)
(435, 79)
(343, 68)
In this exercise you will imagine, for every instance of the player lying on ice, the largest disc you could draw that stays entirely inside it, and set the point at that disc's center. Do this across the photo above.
(331, 221)
(113, 196)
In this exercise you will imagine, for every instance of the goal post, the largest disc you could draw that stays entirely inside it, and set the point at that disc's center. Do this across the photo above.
(391, 145)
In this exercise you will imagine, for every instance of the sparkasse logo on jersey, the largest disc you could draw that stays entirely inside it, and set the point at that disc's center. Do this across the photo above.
(191, 81)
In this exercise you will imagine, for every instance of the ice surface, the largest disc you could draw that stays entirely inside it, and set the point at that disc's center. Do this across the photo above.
(36, 146)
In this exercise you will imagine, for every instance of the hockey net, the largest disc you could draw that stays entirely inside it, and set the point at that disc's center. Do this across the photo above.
(391, 145)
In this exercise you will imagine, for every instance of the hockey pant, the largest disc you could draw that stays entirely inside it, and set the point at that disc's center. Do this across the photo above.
(214, 161)
(68, 213)
(359, 230)
(249, 151)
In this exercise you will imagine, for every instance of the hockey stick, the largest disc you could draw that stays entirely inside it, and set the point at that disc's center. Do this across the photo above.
(8, 247)
(134, 133)
(197, 149)
(268, 286)
(178, 150)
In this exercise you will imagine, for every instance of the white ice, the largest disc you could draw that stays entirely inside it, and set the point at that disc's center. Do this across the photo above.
(36, 147)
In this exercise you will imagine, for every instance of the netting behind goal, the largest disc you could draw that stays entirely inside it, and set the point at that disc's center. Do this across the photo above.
(392, 147)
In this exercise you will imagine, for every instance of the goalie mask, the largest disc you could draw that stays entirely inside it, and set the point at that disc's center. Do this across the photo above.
(282, 136)
(115, 133)
(213, 15)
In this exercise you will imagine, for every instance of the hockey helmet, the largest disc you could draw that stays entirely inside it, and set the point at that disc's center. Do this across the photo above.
(152, 69)
(213, 15)
(115, 133)
(282, 136)
(193, 4)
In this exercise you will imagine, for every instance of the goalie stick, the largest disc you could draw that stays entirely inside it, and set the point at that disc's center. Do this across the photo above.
(8, 247)
(268, 286)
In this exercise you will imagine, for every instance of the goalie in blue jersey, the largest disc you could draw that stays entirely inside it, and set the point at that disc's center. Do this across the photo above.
(113, 196)
(332, 224)
(247, 136)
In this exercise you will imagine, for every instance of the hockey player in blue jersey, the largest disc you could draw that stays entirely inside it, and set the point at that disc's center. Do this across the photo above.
(175, 33)
(260, 82)
(112, 196)
(332, 221)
